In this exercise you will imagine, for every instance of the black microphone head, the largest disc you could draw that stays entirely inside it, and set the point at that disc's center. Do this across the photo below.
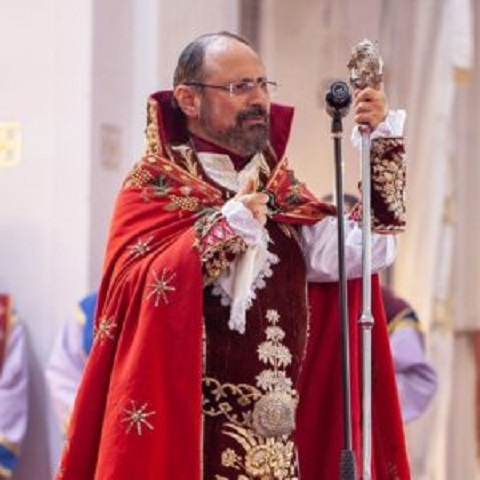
(338, 98)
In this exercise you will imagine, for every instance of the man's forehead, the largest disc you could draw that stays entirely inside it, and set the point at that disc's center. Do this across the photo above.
(228, 53)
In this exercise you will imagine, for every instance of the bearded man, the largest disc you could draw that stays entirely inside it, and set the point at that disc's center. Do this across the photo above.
(202, 319)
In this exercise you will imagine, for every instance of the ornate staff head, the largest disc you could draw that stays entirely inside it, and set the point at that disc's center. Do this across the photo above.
(365, 65)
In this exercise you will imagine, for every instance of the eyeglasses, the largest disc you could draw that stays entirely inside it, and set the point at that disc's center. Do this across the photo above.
(242, 87)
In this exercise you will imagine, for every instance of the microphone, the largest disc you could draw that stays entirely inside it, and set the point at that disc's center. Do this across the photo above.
(338, 99)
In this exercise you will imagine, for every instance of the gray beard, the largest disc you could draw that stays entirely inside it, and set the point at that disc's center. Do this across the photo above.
(245, 140)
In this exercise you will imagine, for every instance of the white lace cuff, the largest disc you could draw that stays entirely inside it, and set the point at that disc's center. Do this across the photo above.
(240, 218)
(392, 126)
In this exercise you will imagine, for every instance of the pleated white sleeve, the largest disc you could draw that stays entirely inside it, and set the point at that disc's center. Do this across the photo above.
(320, 249)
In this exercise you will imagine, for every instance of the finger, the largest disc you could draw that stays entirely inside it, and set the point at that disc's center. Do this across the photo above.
(260, 216)
(363, 107)
(249, 186)
(261, 198)
(253, 199)
(363, 119)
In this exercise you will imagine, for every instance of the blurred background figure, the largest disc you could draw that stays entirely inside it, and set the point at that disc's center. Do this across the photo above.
(13, 387)
(415, 376)
(68, 357)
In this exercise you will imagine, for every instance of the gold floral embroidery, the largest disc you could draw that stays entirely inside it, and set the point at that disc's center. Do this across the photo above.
(185, 154)
(139, 177)
(233, 401)
(388, 185)
(190, 204)
(274, 414)
(265, 458)
(264, 432)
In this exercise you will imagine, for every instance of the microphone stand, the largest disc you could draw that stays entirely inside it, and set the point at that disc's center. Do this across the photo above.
(337, 110)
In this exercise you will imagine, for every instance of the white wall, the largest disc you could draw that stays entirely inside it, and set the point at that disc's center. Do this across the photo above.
(300, 45)
(112, 101)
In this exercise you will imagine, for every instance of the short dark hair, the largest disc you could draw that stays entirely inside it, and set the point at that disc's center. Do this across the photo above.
(190, 63)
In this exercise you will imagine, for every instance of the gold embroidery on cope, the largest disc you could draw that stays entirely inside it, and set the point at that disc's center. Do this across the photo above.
(151, 132)
(139, 177)
(104, 329)
(161, 286)
(186, 155)
(141, 248)
(136, 417)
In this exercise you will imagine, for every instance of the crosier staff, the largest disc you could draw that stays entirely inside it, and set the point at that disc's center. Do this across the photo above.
(366, 70)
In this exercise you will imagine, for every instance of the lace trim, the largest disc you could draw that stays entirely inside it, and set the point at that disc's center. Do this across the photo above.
(237, 318)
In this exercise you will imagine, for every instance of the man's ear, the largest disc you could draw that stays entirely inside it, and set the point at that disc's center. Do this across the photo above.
(188, 100)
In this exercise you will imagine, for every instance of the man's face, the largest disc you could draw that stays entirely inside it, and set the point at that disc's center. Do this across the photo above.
(236, 121)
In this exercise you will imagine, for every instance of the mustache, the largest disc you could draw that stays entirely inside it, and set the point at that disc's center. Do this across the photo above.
(256, 111)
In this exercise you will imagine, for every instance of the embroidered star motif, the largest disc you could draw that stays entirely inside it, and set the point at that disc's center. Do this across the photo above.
(137, 417)
(161, 286)
(104, 329)
(141, 248)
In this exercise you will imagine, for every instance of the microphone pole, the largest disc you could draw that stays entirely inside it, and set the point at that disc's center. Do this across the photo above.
(338, 100)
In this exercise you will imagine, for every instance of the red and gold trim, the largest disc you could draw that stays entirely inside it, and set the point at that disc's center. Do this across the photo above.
(218, 245)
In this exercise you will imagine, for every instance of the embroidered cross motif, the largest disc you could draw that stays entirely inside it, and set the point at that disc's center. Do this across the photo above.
(141, 248)
(136, 417)
(104, 329)
(161, 286)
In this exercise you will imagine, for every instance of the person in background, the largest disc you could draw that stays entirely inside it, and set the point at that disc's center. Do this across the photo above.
(416, 378)
(13, 387)
(67, 359)
(200, 355)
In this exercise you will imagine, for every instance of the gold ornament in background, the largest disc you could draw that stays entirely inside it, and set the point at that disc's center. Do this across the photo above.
(10, 143)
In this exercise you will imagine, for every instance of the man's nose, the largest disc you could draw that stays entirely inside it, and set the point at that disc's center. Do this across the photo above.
(259, 95)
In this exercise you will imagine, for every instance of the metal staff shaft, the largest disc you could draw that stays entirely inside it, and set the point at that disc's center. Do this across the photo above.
(366, 320)
(366, 70)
